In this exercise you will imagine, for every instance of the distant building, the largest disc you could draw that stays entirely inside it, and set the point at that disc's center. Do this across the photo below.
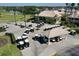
(74, 18)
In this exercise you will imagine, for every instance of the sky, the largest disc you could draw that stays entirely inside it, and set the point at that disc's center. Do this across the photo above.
(32, 4)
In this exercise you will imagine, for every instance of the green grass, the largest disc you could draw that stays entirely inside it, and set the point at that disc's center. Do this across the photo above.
(6, 38)
(8, 16)
(9, 49)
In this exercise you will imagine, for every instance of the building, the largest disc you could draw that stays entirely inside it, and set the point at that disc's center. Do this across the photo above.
(74, 18)
(54, 14)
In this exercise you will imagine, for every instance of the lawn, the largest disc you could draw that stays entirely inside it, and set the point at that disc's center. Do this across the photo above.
(8, 16)
(8, 49)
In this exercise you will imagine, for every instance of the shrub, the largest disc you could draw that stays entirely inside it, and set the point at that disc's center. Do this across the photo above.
(77, 30)
(12, 37)
(2, 29)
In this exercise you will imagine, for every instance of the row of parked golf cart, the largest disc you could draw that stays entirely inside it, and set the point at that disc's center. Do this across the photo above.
(44, 39)
(23, 40)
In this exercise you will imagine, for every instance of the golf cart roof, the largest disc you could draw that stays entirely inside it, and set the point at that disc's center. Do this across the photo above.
(21, 42)
(27, 29)
(31, 28)
(19, 37)
(25, 33)
(24, 36)
(37, 34)
(73, 30)
(51, 26)
(26, 40)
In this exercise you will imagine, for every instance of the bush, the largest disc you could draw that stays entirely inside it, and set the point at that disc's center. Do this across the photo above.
(2, 29)
(77, 30)
(12, 37)
(50, 20)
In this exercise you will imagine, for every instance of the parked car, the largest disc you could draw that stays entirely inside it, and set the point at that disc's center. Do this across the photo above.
(72, 32)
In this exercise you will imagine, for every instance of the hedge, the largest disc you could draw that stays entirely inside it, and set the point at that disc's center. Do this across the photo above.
(12, 37)
(2, 29)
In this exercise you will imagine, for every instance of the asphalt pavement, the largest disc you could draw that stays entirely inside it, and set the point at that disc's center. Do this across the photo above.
(37, 49)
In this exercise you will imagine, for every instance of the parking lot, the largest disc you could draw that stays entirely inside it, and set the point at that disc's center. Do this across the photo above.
(36, 48)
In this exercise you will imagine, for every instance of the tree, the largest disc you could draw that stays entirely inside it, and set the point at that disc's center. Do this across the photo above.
(72, 7)
(78, 5)
(27, 10)
(67, 7)
(14, 10)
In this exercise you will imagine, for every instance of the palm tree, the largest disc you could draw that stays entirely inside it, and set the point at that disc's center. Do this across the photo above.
(66, 7)
(72, 7)
(78, 5)
(14, 10)
(24, 14)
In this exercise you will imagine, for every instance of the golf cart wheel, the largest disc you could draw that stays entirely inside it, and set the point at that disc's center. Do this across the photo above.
(27, 45)
(57, 40)
(21, 48)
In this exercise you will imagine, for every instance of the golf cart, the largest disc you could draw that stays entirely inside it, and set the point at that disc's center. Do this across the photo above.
(72, 32)
(27, 30)
(26, 43)
(20, 45)
(31, 29)
(40, 38)
(56, 39)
